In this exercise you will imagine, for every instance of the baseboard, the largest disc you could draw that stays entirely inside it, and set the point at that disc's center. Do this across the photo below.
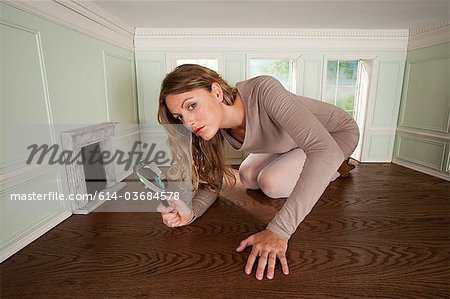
(422, 169)
(28, 238)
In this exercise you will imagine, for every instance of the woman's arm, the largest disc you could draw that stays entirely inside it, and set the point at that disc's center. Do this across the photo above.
(323, 155)
(179, 214)
(204, 198)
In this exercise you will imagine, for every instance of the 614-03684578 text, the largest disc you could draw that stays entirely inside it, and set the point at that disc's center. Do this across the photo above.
(165, 195)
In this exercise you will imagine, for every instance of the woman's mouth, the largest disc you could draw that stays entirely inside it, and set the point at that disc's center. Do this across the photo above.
(198, 130)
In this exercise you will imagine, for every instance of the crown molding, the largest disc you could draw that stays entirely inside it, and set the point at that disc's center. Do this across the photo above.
(263, 38)
(429, 35)
(429, 28)
(271, 32)
(97, 13)
(82, 16)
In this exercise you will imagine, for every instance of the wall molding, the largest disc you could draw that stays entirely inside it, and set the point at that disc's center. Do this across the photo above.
(427, 29)
(421, 169)
(82, 16)
(263, 38)
(420, 162)
(441, 136)
(396, 96)
(406, 96)
(28, 238)
(97, 13)
(272, 32)
(130, 61)
(35, 229)
(370, 154)
(430, 35)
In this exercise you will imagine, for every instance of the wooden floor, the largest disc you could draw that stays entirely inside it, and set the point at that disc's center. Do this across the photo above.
(383, 232)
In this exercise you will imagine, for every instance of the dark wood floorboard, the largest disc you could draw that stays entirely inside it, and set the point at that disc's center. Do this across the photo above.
(383, 232)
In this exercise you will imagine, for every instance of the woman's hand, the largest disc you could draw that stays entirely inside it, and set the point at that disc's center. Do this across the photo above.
(176, 214)
(268, 246)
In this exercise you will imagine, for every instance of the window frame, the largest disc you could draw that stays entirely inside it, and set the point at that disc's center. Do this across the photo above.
(171, 59)
(294, 65)
(324, 79)
(327, 58)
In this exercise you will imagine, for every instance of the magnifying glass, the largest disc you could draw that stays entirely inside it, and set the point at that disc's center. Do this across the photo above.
(152, 178)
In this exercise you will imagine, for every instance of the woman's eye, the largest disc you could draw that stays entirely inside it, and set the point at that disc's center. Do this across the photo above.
(180, 118)
(192, 106)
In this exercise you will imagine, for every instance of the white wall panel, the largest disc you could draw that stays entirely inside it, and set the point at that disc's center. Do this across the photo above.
(26, 113)
(426, 89)
(120, 88)
(379, 146)
(388, 94)
(150, 75)
(425, 152)
(312, 78)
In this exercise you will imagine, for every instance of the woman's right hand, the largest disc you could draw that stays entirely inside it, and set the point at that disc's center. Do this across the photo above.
(176, 214)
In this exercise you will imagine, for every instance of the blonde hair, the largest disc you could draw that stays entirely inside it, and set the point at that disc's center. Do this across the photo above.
(209, 163)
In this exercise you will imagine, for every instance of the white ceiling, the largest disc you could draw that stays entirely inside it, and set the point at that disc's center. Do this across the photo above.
(361, 14)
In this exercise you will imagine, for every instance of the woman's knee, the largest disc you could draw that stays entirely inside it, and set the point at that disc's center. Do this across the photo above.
(271, 187)
(248, 176)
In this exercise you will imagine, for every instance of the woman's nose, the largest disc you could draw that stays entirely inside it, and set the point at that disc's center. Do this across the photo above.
(188, 121)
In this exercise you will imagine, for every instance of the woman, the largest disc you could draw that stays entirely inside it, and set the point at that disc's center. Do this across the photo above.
(296, 144)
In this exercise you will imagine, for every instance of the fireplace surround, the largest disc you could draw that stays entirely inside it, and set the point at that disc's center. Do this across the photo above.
(74, 141)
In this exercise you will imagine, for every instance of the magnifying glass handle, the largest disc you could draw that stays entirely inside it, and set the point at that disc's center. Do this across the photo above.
(166, 204)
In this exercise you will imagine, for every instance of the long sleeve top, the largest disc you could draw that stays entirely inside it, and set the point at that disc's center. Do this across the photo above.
(278, 121)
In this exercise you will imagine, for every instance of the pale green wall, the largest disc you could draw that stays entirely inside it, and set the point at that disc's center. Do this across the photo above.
(422, 140)
(52, 75)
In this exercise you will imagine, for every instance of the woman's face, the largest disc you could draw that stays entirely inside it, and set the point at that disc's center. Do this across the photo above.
(199, 110)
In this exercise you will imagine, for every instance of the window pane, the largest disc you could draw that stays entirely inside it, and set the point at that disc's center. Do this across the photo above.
(348, 72)
(343, 74)
(278, 68)
(209, 63)
(330, 93)
(332, 72)
(346, 98)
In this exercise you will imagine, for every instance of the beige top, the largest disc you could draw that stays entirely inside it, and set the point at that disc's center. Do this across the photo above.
(278, 121)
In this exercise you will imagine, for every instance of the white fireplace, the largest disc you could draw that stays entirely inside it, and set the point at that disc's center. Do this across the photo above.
(76, 141)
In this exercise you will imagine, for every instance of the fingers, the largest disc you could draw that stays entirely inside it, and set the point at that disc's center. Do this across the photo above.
(162, 209)
(244, 244)
(266, 259)
(169, 216)
(284, 263)
(271, 265)
(261, 265)
(172, 221)
(267, 246)
(250, 261)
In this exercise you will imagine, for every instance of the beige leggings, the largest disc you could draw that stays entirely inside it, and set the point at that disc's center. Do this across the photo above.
(277, 174)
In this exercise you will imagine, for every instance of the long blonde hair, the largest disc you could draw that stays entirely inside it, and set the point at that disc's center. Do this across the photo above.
(209, 163)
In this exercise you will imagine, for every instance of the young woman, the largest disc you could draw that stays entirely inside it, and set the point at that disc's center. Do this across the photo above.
(296, 144)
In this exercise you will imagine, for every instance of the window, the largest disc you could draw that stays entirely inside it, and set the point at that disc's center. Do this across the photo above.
(282, 69)
(209, 63)
(341, 84)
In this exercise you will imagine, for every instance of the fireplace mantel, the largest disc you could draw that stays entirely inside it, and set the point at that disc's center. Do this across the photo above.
(73, 141)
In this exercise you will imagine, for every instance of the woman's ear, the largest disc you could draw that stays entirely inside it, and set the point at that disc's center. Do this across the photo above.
(217, 92)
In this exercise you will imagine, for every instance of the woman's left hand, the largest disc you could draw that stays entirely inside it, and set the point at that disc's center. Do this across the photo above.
(267, 246)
